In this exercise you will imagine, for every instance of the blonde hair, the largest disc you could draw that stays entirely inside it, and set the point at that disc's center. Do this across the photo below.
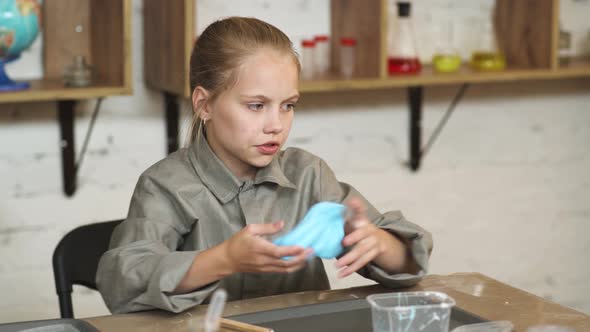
(222, 48)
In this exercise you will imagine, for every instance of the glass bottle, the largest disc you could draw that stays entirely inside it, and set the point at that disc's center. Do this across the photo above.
(487, 57)
(402, 56)
(447, 58)
(79, 73)
(565, 46)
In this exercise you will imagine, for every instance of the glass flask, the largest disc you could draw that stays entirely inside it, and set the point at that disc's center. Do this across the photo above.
(402, 56)
(487, 56)
(446, 58)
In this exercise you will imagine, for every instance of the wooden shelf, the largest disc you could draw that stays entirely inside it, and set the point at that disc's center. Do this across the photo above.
(526, 35)
(576, 68)
(43, 90)
(520, 29)
(98, 29)
(576, 65)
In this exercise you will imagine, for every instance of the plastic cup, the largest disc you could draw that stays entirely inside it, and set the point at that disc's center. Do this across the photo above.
(308, 61)
(347, 57)
(411, 311)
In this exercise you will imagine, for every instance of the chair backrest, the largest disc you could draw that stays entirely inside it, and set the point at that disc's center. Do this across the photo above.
(75, 260)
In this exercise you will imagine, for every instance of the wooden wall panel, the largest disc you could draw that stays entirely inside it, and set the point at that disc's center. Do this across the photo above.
(524, 32)
(164, 45)
(360, 20)
(66, 33)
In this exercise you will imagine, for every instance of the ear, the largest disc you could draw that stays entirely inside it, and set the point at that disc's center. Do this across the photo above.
(200, 97)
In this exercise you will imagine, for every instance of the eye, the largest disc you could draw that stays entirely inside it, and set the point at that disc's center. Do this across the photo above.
(289, 107)
(255, 106)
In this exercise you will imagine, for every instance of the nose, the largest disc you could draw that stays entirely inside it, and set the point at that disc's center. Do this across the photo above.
(273, 123)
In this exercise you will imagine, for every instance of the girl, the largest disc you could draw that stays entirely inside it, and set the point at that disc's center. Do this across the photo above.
(200, 218)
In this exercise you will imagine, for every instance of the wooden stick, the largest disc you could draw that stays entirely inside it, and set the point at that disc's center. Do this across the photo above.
(243, 327)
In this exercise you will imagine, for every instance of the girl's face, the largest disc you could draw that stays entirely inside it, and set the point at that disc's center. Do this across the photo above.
(248, 124)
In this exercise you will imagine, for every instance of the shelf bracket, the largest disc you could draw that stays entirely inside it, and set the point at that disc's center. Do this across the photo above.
(415, 98)
(65, 115)
(172, 121)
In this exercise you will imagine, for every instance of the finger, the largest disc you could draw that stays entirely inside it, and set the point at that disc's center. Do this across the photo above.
(268, 248)
(263, 262)
(356, 236)
(360, 249)
(293, 263)
(284, 251)
(356, 207)
(358, 264)
(288, 261)
(265, 229)
(257, 263)
(357, 216)
(296, 260)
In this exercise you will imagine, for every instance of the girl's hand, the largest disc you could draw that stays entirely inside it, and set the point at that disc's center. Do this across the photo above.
(249, 251)
(368, 240)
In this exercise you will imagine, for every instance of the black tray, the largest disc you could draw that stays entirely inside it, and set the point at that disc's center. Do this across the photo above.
(50, 325)
(349, 315)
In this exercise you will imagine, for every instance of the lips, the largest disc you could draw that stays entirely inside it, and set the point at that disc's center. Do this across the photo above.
(269, 147)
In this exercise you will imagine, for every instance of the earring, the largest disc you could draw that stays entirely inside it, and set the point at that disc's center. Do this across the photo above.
(204, 120)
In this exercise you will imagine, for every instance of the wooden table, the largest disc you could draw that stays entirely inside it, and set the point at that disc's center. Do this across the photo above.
(476, 293)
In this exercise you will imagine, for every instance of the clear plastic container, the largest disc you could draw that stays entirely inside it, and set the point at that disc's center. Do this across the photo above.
(411, 311)
(322, 49)
(308, 62)
(347, 57)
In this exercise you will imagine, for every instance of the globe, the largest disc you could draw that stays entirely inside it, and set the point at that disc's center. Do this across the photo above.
(19, 26)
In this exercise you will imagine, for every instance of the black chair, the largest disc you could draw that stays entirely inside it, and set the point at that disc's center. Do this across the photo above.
(75, 260)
